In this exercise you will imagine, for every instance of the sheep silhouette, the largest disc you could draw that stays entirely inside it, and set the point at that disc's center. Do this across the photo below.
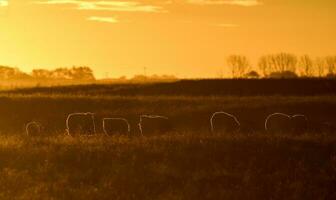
(81, 124)
(33, 129)
(280, 122)
(224, 122)
(116, 126)
(153, 124)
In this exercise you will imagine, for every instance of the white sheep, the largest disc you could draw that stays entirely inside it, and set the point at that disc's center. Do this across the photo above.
(81, 123)
(33, 129)
(278, 122)
(224, 122)
(151, 124)
(113, 126)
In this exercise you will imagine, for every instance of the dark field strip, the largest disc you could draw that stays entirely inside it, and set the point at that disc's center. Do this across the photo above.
(169, 167)
(220, 87)
(187, 113)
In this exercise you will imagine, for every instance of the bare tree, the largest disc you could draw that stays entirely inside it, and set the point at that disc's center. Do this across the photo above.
(283, 62)
(264, 65)
(320, 66)
(306, 66)
(238, 64)
(277, 63)
(331, 64)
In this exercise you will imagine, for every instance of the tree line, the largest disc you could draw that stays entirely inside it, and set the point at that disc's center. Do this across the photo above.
(282, 65)
(78, 73)
(75, 73)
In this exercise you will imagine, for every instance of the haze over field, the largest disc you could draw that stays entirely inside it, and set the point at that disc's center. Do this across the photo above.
(186, 38)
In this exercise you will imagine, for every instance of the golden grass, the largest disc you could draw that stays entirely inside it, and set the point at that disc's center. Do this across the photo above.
(184, 166)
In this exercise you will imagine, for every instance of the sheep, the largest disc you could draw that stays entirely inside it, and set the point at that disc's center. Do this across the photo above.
(81, 123)
(113, 126)
(278, 122)
(33, 129)
(151, 124)
(224, 122)
(299, 123)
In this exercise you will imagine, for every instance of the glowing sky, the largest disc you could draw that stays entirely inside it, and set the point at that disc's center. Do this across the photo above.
(188, 38)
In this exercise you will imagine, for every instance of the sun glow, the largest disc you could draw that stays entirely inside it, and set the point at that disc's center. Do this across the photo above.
(186, 38)
(3, 3)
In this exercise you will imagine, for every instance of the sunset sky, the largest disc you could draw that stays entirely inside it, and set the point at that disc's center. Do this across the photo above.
(187, 38)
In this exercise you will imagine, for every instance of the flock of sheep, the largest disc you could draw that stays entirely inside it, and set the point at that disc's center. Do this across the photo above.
(84, 124)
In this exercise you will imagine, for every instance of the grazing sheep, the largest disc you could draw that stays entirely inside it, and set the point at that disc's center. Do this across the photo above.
(278, 122)
(224, 122)
(33, 129)
(81, 123)
(112, 126)
(299, 123)
(151, 124)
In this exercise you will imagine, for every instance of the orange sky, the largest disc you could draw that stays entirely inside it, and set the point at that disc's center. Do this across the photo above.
(187, 38)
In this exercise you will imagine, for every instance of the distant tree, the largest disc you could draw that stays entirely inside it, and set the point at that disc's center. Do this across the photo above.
(265, 65)
(306, 66)
(74, 73)
(139, 78)
(252, 74)
(61, 73)
(320, 66)
(7, 73)
(284, 62)
(81, 73)
(277, 63)
(331, 64)
(41, 74)
(238, 64)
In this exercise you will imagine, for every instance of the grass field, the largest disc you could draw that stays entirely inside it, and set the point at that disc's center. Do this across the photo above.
(169, 167)
(189, 163)
(187, 113)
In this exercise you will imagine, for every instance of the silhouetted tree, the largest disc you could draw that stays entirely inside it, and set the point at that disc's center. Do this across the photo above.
(320, 66)
(283, 62)
(139, 78)
(265, 65)
(74, 73)
(277, 63)
(81, 73)
(306, 66)
(331, 64)
(41, 74)
(7, 73)
(238, 64)
(61, 73)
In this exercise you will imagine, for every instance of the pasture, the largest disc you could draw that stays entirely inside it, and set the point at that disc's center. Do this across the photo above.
(187, 163)
(169, 167)
(187, 113)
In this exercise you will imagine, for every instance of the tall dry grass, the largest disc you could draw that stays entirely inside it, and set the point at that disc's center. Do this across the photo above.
(169, 167)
